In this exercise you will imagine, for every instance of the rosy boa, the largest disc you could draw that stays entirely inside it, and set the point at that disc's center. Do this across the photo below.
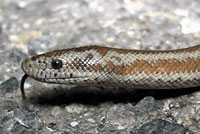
(106, 66)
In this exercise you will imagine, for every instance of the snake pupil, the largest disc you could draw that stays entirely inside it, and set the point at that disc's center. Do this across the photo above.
(56, 64)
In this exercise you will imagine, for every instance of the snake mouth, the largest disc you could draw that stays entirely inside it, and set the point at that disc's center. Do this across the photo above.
(68, 80)
(65, 80)
(50, 80)
(57, 77)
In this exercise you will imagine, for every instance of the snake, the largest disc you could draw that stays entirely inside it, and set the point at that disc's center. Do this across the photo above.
(106, 66)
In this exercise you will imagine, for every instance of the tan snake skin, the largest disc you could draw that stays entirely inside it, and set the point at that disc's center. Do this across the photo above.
(105, 66)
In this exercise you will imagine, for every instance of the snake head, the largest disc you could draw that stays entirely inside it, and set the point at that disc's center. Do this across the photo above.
(69, 66)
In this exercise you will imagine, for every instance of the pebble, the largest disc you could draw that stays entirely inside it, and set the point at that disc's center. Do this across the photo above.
(74, 123)
(190, 26)
(147, 104)
(91, 120)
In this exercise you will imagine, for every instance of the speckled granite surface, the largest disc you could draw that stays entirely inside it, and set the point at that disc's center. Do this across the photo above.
(30, 27)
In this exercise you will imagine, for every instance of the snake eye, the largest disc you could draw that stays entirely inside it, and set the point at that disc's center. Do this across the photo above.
(56, 64)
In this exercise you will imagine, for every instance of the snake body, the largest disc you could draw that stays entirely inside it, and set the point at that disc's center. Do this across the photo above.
(106, 66)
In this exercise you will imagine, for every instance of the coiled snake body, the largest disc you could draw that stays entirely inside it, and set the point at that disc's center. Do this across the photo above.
(105, 66)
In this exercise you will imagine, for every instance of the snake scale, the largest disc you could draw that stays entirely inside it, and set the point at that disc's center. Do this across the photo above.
(106, 66)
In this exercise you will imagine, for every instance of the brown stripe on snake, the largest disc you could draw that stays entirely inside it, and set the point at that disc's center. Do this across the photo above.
(106, 66)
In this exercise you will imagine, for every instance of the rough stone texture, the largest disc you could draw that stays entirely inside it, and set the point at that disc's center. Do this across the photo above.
(158, 126)
(29, 27)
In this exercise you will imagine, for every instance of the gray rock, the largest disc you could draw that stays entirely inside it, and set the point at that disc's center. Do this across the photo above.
(147, 104)
(159, 126)
(26, 120)
(9, 85)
